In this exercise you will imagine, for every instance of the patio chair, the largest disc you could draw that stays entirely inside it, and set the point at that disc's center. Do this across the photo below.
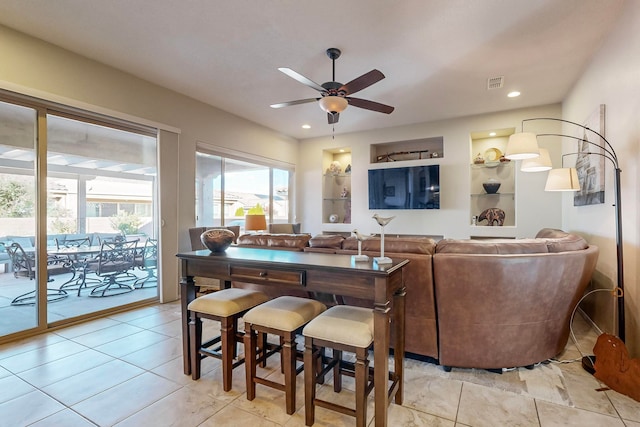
(5, 258)
(23, 265)
(78, 261)
(110, 237)
(113, 265)
(148, 261)
(73, 243)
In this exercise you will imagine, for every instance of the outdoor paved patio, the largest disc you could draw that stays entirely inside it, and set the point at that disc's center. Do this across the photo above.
(14, 318)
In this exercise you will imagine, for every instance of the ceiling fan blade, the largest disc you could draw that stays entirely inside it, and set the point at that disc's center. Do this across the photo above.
(333, 118)
(362, 82)
(370, 105)
(299, 101)
(302, 79)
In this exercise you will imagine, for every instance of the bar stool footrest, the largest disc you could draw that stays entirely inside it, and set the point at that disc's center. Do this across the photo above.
(335, 407)
(269, 383)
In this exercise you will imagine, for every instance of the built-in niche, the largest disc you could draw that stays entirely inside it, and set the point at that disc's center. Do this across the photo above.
(336, 186)
(415, 149)
(493, 184)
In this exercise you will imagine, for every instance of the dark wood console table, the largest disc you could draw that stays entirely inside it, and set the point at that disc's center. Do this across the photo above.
(314, 272)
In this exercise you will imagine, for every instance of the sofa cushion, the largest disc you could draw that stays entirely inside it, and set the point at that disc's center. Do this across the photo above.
(551, 233)
(330, 241)
(561, 241)
(276, 241)
(492, 246)
(414, 245)
(25, 242)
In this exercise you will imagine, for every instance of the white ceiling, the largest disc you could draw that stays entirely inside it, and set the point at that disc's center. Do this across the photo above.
(436, 54)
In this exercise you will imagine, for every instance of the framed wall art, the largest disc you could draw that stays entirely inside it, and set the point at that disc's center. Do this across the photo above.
(590, 162)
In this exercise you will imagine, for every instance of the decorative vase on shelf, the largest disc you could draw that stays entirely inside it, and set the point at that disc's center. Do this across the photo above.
(491, 186)
(335, 167)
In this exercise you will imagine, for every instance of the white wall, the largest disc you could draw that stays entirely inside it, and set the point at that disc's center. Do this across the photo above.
(535, 208)
(613, 78)
(35, 67)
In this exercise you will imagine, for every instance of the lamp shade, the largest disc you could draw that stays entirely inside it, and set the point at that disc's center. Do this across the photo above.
(333, 104)
(537, 164)
(522, 145)
(564, 179)
(255, 222)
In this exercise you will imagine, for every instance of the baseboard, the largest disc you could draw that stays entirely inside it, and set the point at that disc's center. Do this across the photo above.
(589, 320)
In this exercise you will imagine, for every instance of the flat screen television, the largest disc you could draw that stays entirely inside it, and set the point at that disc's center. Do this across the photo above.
(412, 187)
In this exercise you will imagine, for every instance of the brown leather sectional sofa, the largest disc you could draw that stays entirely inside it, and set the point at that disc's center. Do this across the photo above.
(508, 303)
(476, 303)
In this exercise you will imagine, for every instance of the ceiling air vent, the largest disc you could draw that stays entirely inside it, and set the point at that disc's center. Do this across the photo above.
(495, 82)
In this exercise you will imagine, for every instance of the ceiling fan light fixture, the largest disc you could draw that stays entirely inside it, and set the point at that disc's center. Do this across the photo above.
(333, 104)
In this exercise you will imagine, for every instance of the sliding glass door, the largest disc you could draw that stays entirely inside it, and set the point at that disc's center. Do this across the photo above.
(71, 186)
(101, 188)
(18, 267)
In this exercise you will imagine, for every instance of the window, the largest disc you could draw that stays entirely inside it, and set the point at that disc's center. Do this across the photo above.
(227, 187)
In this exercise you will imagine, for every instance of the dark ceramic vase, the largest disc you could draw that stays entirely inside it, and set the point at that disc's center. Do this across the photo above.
(491, 187)
(217, 239)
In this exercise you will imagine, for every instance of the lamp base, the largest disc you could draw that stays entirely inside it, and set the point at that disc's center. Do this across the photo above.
(588, 364)
(383, 260)
(360, 258)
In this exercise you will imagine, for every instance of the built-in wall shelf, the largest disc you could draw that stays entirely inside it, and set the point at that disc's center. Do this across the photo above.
(493, 195)
(488, 165)
(336, 186)
(415, 149)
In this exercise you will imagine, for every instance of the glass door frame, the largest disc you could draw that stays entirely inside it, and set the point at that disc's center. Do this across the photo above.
(43, 108)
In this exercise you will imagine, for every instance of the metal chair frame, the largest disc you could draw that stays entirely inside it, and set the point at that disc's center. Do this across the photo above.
(23, 263)
(113, 262)
(148, 263)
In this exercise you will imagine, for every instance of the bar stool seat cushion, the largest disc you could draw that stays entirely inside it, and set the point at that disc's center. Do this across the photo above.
(284, 313)
(347, 325)
(227, 302)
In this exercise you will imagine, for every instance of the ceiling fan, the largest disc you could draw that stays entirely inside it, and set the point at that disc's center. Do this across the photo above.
(336, 96)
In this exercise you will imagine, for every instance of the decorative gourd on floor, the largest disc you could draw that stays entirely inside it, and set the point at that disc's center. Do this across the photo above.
(615, 368)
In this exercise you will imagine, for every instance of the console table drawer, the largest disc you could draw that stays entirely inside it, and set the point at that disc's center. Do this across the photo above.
(267, 275)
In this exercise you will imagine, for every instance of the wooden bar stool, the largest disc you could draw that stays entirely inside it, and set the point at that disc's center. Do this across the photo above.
(225, 306)
(285, 317)
(341, 328)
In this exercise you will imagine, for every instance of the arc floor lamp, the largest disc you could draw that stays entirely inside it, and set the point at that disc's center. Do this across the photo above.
(524, 146)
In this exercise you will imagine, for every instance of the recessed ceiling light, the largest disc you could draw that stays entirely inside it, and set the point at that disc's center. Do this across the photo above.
(492, 134)
(513, 94)
(341, 150)
(306, 126)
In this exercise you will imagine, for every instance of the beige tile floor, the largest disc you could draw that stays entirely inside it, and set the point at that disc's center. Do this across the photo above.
(126, 370)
